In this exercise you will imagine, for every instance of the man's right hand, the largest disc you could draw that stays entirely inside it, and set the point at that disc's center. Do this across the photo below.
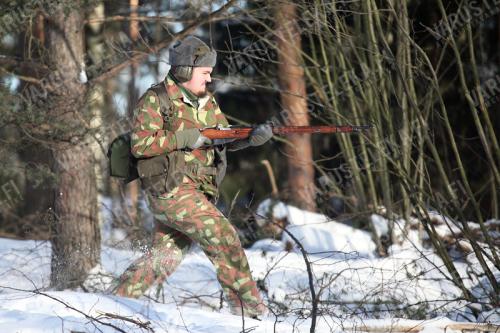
(191, 138)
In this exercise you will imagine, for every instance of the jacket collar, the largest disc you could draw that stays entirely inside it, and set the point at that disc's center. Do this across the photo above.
(174, 91)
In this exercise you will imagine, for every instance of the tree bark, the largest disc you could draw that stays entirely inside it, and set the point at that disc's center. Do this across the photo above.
(293, 92)
(75, 234)
(133, 189)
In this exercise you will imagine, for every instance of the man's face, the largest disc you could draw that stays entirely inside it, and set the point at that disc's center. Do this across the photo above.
(198, 83)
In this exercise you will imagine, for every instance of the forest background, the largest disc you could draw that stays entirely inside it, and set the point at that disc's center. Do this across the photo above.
(424, 73)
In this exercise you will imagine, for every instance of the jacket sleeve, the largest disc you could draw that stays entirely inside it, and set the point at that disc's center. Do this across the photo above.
(238, 145)
(148, 136)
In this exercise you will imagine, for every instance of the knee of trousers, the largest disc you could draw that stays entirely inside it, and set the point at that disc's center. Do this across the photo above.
(228, 255)
(164, 261)
(223, 238)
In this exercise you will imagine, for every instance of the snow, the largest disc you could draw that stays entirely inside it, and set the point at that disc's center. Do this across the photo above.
(318, 233)
(380, 225)
(356, 289)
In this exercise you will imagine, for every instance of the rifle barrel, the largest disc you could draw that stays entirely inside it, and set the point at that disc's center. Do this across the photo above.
(244, 132)
(320, 129)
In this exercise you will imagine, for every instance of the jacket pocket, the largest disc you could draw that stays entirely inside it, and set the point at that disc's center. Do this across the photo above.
(153, 173)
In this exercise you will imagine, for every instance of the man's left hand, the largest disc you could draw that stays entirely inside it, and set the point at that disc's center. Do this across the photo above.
(260, 135)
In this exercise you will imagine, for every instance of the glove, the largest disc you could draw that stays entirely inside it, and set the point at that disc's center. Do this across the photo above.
(190, 138)
(257, 137)
(260, 135)
(201, 141)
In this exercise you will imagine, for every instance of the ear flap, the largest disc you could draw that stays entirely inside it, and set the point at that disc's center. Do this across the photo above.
(182, 73)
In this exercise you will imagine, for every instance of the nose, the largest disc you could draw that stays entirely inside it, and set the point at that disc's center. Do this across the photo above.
(209, 78)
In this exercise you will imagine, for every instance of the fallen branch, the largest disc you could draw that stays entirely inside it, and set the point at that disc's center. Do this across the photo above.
(107, 315)
(418, 327)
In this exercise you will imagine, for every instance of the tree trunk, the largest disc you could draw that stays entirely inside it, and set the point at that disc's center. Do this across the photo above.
(75, 233)
(133, 189)
(97, 106)
(293, 93)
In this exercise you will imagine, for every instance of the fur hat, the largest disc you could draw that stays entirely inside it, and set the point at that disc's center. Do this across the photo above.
(192, 51)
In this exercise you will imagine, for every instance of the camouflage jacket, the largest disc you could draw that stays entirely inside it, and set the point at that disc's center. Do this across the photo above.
(150, 138)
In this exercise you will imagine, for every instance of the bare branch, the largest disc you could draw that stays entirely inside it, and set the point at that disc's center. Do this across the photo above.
(22, 77)
(121, 18)
(214, 16)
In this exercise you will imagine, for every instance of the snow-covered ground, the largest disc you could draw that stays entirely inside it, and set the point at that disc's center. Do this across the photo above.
(356, 290)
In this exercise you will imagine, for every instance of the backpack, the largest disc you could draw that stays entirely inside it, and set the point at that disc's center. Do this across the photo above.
(122, 163)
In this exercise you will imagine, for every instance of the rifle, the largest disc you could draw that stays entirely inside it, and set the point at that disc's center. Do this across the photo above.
(243, 132)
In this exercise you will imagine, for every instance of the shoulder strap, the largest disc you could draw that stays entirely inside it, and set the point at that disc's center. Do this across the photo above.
(165, 103)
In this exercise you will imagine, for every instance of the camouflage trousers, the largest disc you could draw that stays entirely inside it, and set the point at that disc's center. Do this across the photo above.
(182, 218)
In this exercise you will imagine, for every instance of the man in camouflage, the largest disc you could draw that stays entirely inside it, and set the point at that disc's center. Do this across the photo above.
(183, 208)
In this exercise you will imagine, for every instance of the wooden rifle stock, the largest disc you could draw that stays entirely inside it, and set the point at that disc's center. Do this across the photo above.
(244, 132)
